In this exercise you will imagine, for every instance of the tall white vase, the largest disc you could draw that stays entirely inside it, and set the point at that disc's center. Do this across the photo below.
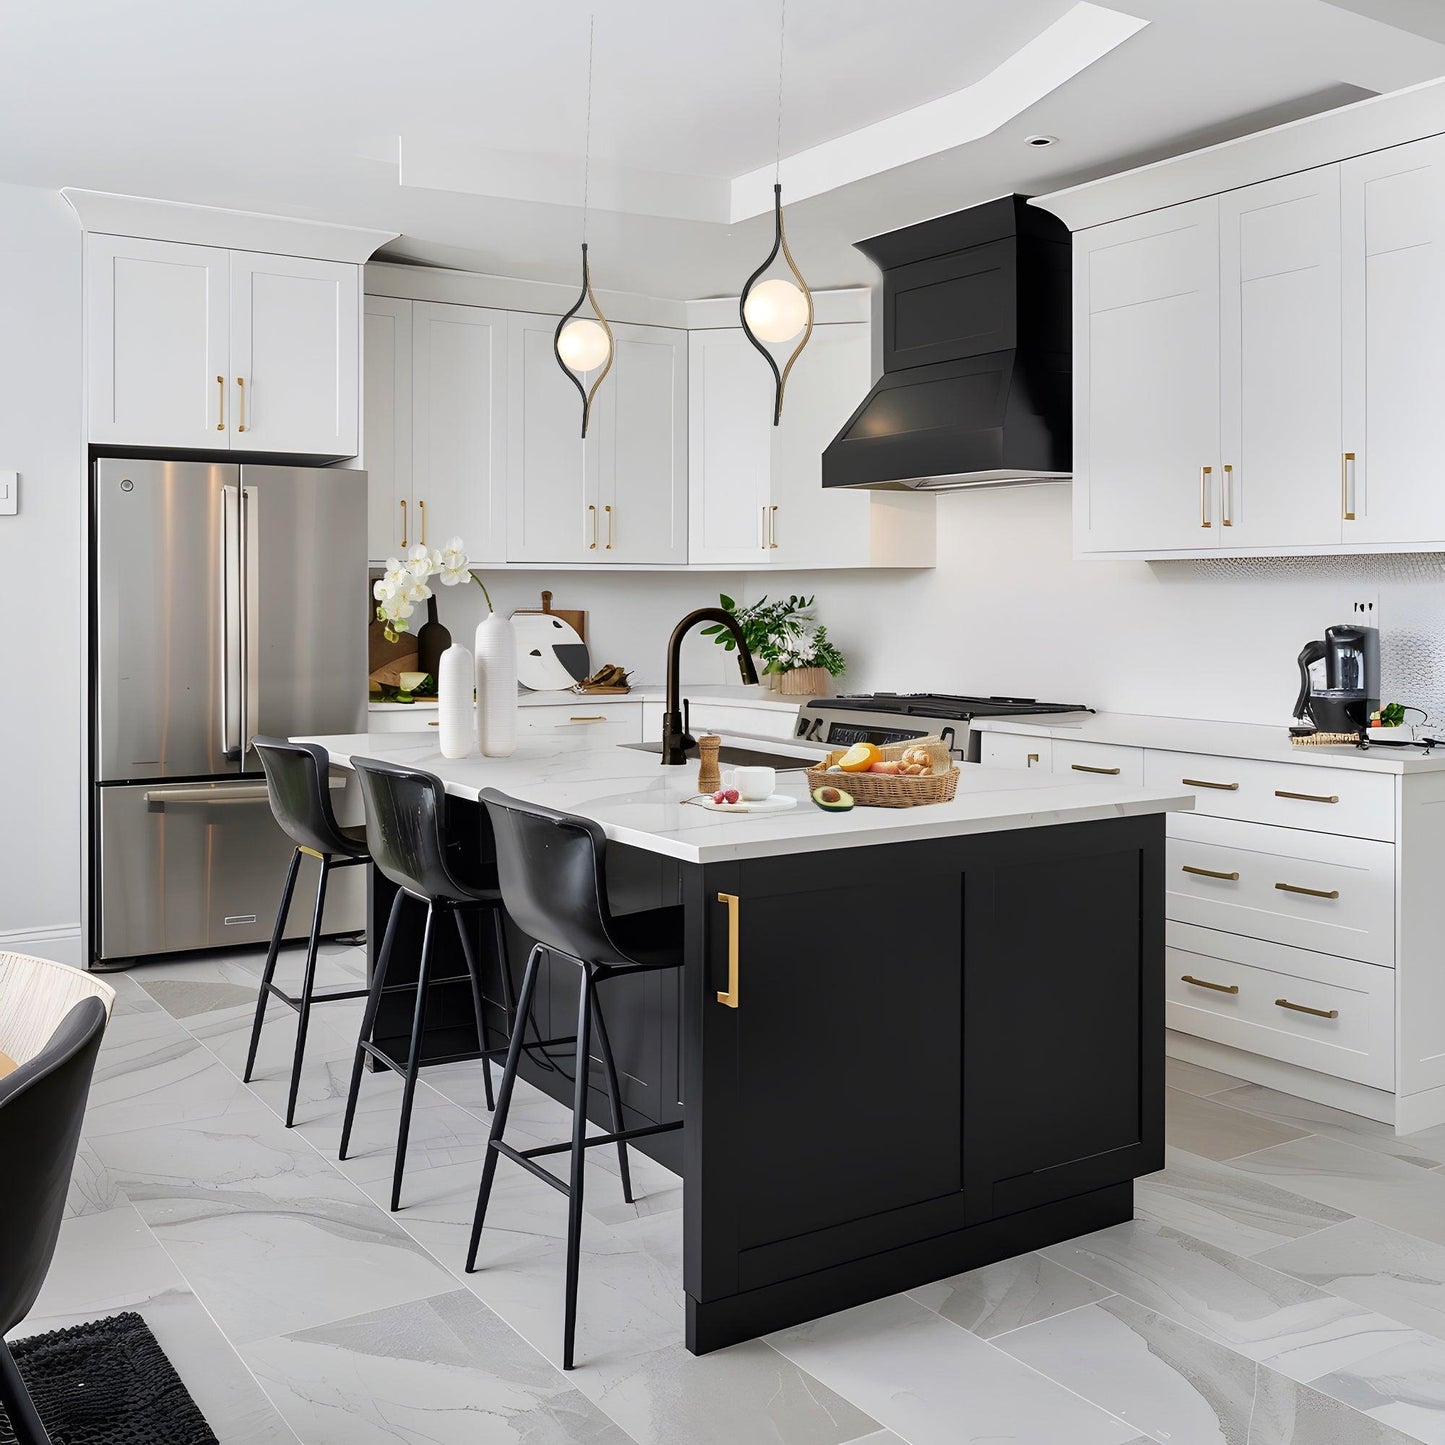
(496, 686)
(456, 678)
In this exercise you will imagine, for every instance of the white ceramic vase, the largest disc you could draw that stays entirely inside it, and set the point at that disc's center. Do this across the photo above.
(496, 686)
(456, 679)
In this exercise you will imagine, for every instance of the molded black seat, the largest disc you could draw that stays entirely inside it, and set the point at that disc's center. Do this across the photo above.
(298, 785)
(553, 873)
(42, 1104)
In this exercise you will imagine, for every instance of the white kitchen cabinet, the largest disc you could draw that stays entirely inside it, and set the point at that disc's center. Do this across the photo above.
(1146, 382)
(1016, 750)
(1394, 344)
(1280, 356)
(199, 347)
(158, 318)
(386, 453)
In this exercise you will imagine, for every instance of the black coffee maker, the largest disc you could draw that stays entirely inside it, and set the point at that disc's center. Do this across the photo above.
(1351, 690)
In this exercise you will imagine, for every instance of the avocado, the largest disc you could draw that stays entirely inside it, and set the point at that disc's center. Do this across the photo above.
(832, 800)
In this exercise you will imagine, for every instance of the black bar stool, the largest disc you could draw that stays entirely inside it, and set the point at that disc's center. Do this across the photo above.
(407, 833)
(553, 872)
(298, 786)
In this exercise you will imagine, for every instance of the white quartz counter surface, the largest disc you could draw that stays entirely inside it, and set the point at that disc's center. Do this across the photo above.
(1217, 739)
(734, 696)
(640, 803)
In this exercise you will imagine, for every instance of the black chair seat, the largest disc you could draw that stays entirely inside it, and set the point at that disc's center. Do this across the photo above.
(651, 939)
(355, 835)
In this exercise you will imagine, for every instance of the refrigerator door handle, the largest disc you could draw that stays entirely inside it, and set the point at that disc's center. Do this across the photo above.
(250, 616)
(231, 641)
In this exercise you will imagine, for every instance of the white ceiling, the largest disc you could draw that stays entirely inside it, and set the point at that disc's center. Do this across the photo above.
(297, 108)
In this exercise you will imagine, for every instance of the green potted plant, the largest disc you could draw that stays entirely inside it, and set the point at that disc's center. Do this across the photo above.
(789, 645)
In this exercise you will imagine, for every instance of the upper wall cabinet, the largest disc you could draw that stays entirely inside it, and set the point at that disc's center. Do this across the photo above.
(199, 347)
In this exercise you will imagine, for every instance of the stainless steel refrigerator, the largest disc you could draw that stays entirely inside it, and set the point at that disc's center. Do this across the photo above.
(227, 604)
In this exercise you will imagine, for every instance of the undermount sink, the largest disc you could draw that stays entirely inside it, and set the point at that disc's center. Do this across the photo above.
(738, 757)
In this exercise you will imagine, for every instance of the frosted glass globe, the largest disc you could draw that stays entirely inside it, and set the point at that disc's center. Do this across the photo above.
(776, 310)
(583, 344)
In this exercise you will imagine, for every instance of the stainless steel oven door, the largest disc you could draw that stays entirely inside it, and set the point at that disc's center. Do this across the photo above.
(200, 865)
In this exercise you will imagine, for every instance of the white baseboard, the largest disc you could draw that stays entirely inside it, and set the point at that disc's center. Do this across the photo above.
(62, 943)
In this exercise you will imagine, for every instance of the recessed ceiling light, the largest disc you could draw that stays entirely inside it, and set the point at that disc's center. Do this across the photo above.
(1040, 140)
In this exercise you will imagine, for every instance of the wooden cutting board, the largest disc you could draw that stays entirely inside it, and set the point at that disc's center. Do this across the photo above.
(576, 620)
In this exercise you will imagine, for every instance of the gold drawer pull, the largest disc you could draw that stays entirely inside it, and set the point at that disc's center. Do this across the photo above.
(1218, 787)
(1307, 797)
(591, 717)
(1210, 873)
(434, 724)
(730, 998)
(1304, 1008)
(1310, 892)
(1205, 983)
(1033, 758)
(1085, 768)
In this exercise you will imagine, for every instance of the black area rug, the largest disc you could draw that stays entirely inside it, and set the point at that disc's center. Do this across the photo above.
(107, 1383)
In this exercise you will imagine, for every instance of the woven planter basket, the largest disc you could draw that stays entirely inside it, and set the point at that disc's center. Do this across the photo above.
(892, 790)
(800, 682)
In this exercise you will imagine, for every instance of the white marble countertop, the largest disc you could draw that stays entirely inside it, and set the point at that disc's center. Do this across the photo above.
(1218, 739)
(736, 695)
(639, 802)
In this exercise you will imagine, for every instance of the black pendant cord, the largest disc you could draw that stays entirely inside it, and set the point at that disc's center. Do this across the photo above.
(780, 244)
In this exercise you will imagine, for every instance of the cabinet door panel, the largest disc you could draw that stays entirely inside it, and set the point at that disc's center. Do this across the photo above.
(157, 322)
(553, 505)
(459, 356)
(1280, 355)
(295, 353)
(1394, 347)
(387, 453)
(1146, 382)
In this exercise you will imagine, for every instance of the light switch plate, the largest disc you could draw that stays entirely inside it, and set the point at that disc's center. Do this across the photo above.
(9, 493)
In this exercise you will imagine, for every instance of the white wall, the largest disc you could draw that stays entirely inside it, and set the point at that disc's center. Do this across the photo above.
(41, 555)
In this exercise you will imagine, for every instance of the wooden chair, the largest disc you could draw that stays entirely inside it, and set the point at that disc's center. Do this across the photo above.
(35, 994)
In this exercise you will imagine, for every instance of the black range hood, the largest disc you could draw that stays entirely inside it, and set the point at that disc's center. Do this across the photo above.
(977, 363)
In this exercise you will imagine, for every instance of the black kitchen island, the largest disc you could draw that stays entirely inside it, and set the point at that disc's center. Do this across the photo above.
(904, 1043)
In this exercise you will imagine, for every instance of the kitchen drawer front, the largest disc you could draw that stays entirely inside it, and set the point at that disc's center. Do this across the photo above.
(1306, 890)
(726, 717)
(1358, 1043)
(412, 720)
(603, 722)
(1323, 800)
(1106, 761)
(1014, 750)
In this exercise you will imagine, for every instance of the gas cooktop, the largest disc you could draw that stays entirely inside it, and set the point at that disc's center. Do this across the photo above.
(942, 705)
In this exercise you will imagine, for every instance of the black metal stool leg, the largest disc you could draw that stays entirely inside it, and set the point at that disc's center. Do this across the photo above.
(269, 972)
(614, 1092)
(24, 1422)
(413, 1057)
(474, 972)
(368, 1021)
(308, 986)
(579, 1166)
(504, 1102)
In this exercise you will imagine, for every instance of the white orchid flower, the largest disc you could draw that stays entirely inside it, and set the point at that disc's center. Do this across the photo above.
(415, 591)
(454, 563)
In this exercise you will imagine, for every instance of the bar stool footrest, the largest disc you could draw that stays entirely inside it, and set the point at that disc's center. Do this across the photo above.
(294, 1003)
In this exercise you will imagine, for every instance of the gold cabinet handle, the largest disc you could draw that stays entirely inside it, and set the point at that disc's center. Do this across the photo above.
(220, 403)
(592, 512)
(1086, 768)
(1308, 892)
(773, 528)
(608, 510)
(1209, 873)
(421, 512)
(1203, 783)
(730, 997)
(434, 724)
(592, 717)
(241, 389)
(403, 521)
(1304, 1008)
(765, 529)
(1308, 797)
(1227, 499)
(1347, 477)
(1205, 983)
(1204, 475)
(1032, 759)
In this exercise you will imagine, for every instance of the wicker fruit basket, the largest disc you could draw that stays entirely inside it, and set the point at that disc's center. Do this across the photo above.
(894, 790)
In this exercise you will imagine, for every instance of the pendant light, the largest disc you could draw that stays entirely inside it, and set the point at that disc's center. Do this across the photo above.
(777, 310)
(581, 344)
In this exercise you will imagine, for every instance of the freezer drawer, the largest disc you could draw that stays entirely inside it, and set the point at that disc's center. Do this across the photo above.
(200, 865)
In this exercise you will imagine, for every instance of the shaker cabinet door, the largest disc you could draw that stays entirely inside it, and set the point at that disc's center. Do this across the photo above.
(386, 453)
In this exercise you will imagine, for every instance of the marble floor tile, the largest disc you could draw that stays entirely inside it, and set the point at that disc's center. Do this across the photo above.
(1195, 1079)
(106, 1263)
(1426, 1149)
(1397, 1274)
(1207, 1128)
(1218, 1204)
(1401, 1385)
(1259, 1312)
(746, 1393)
(439, 1371)
(936, 1384)
(1360, 1181)
(1288, 1413)
(1009, 1294)
(93, 1189)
